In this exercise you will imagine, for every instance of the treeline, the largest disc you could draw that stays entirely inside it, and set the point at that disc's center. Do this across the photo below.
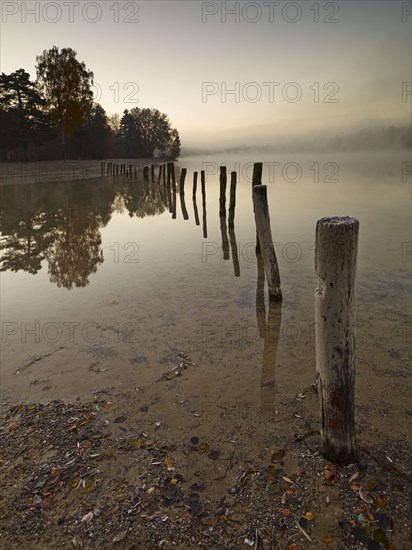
(55, 117)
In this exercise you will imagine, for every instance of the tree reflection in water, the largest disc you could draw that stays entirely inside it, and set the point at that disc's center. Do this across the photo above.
(60, 223)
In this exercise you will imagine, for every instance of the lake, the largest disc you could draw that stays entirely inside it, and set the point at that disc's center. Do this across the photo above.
(103, 286)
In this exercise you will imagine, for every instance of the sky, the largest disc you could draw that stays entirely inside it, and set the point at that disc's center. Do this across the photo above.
(231, 73)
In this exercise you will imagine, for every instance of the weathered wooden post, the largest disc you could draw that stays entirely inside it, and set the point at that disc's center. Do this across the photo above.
(257, 180)
(169, 172)
(222, 197)
(262, 219)
(335, 264)
(152, 172)
(182, 181)
(108, 169)
(194, 185)
(117, 169)
(159, 176)
(102, 168)
(172, 172)
(130, 171)
(164, 173)
(146, 173)
(135, 172)
(232, 202)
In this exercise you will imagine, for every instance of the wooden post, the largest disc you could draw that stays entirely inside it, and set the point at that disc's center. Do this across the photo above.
(204, 214)
(102, 168)
(194, 185)
(159, 175)
(182, 181)
(232, 203)
(234, 249)
(172, 172)
(117, 169)
(262, 219)
(203, 184)
(152, 172)
(225, 239)
(257, 173)
(174, 203)
(164, 173)
(257, 180)
(135, 172)
(335, 264)
(130, 170)
(222, 197)
(196, 212)
(183, 206)
(169, 171)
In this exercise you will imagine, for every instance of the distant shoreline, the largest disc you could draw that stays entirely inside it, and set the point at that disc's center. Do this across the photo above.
(59, 170)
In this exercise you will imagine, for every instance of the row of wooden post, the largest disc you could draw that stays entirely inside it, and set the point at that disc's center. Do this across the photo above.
(335, 264)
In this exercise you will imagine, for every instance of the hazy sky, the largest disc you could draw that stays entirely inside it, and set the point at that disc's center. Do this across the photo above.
(295, 68)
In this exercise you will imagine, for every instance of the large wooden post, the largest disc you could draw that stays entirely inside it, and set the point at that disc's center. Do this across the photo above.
(335, 264)
(262, 219)
(232, 203)
(222, 198)
(172, 172)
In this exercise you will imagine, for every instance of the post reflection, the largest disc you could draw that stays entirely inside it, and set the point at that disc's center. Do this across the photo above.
(269, 330)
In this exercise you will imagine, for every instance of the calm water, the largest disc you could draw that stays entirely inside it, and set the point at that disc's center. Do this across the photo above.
(103, 284)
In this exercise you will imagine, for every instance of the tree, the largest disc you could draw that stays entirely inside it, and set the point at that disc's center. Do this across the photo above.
(174, 144)
(95, 138)
(23, 119)
(128, 136)
(66, 85)
(154, 129)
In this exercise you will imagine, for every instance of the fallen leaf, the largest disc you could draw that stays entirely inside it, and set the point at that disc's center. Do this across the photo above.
(379, 536)
(309, 516)
(278, 455)
(87, 518)
(287, 480)
(327, 539)
(365, 496)
(90, 486)
(381, 502)
(355, 487)
(293, 547)
(108, 405)
(353, 477)
(168, 464)
(285, 512)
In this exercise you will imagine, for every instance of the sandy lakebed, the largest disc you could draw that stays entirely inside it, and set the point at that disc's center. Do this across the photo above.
(96, 455)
